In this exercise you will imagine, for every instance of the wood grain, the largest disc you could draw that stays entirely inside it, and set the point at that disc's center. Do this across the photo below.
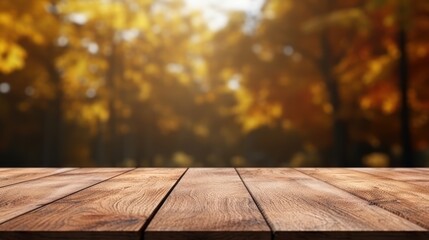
(404, 199)
(119, 206)
(24, 197)
(296, 204)
(11, 176)
(316, 204)
(414, 176)
(208, 204)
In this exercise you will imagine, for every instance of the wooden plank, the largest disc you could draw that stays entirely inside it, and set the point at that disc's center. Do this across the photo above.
(17, 175)
(300, 207)
(425, 170)
(404, 199)
(208, 203)
(115, 209)
(21, 198)
(408, 175)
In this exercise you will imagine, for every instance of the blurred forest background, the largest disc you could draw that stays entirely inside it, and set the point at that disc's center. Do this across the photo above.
(214, 83)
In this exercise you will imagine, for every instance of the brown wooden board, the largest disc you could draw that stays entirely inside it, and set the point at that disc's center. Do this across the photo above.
(115, 209)
(404, 199)
(300, 207)
(422, 169)
(408, 175)
(215, 204)
(21, 198)
(208, 203)
(17, 175)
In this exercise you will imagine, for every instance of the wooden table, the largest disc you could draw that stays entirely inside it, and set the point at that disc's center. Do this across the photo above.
(214, 203)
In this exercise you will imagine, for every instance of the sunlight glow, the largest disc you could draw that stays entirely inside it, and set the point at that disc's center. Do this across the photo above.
(175, 68)
(215, 11)
(288, 50)
(130, 34)
(4, 87)
(62, 41)
(234, 83)
(78, 18)
(91, 93)
(93, 48)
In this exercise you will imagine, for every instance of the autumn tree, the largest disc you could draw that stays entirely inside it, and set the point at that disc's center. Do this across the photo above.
(26, 54)
(311, 61)
(148, 82)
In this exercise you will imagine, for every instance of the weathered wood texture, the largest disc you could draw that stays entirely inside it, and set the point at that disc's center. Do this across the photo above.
(295, 204)
(415, 176)
(10, 176)
(209, 204)
(119, 207)
(24, 197)
(214, 203)
(401, 198)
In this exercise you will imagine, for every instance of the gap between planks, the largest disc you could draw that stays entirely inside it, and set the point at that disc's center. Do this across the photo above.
(114, 209)
(155, 211)
(296, 204)
(13, 176)
(411, 176)
(403, 199)
(257, 205)
(31, 206)
(209, 203)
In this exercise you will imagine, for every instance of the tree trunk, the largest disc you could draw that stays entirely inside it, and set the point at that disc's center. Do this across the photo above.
(98, 146)
(407, 156)
(339, 124)
(111, 140)
(53, 127)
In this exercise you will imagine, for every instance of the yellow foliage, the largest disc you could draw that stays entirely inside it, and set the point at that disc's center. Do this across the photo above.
(343, 18)
(376, 160)
(6, 19)
(88, 115)
(327, 108)
(184, 79)
(390, 105)
(238, 161)
(297, 160)
(145, 91)
(264, 116)
(152, 69)
(95, 111)
(168, 124)
(129, 162)
(182, 159)
(379, 68)
(222, 75)
(275, 110)
(287, 124)
(12, 57)
(141, 22)
(389, 21)
(317, 91)
(252, 114)
(252, 122)
(201, 130)
(365, 103)
(277, 8)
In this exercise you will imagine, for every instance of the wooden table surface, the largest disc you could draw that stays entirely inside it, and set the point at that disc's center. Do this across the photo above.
(214, 203)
